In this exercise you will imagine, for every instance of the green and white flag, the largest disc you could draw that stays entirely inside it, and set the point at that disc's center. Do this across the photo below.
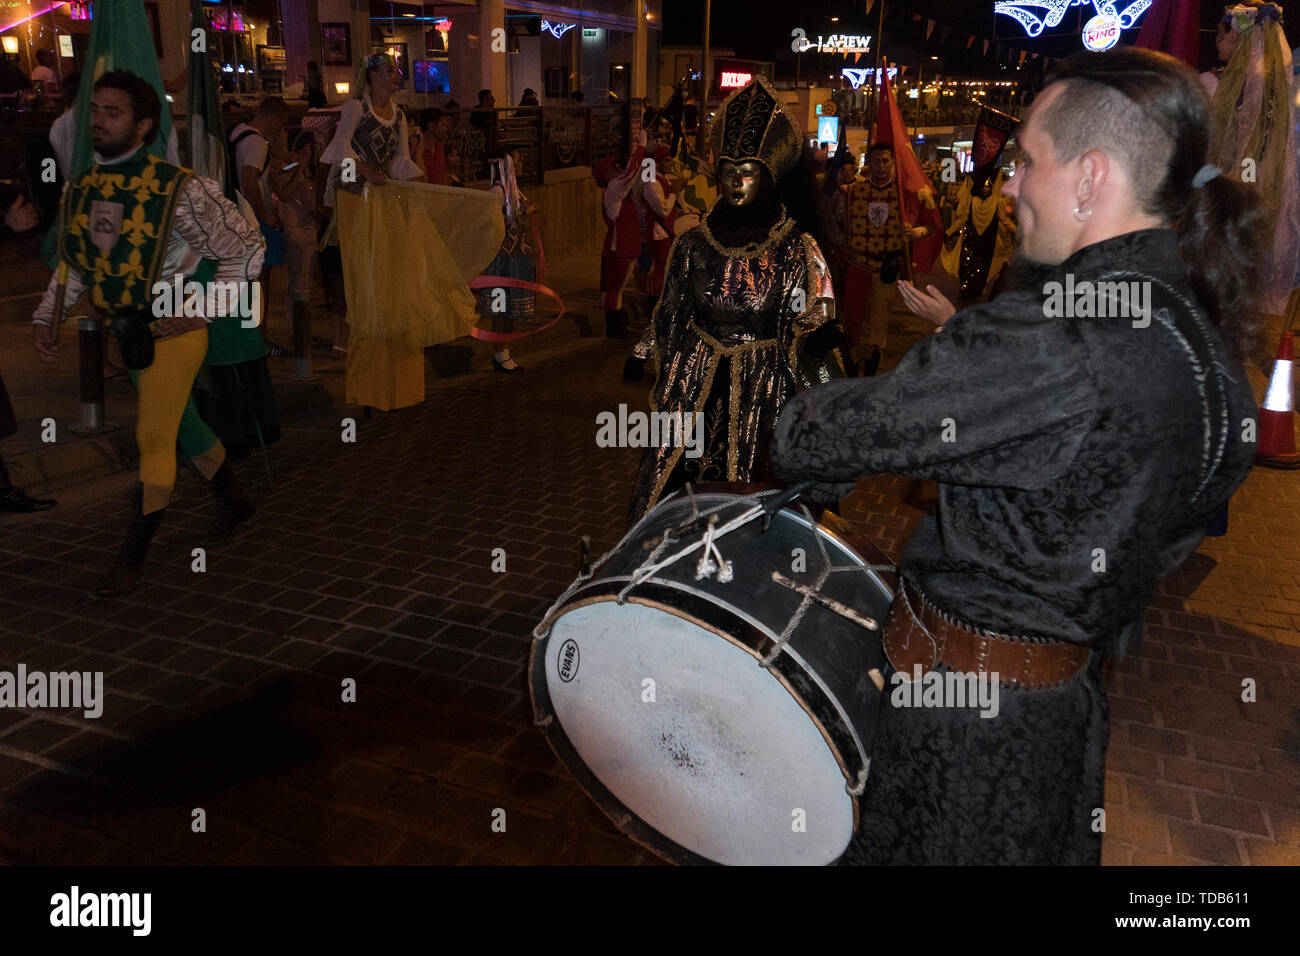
(206, 133)
(120, 39)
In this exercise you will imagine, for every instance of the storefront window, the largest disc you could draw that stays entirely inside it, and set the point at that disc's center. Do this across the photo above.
(43, 40)
(248, 48)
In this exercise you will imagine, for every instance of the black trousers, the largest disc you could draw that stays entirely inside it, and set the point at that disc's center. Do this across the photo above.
(948, 786)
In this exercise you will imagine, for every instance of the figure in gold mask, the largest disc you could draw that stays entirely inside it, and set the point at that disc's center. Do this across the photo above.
(736, 331)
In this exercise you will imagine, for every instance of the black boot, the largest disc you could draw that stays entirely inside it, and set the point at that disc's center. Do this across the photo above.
(616, 324)
(233, 506)
(14, 501)
(127, 570)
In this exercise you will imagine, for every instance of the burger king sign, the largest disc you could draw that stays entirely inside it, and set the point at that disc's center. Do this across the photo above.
(1101, 32)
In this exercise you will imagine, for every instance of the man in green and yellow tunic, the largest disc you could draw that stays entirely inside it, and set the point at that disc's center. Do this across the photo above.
(128, 227)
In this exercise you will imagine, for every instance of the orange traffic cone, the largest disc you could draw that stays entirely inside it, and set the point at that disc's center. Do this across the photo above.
(1277, 415)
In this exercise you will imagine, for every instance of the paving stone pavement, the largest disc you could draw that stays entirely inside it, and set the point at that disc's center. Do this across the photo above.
(372, 561)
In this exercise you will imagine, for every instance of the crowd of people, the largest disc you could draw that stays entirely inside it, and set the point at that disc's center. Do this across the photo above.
(203, 380)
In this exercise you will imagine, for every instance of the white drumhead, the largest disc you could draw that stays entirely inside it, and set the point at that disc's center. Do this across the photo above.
(723, 761)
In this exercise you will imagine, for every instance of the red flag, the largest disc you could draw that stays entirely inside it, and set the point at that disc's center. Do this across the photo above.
(1171, 27)
(992, 131)
(916, 196)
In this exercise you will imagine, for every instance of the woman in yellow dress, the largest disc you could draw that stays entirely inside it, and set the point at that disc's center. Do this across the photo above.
(370, 148)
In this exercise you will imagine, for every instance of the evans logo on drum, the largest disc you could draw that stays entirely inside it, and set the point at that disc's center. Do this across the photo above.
(568, 661)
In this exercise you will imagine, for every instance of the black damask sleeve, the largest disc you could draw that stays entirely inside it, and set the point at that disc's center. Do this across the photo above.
(999, 398)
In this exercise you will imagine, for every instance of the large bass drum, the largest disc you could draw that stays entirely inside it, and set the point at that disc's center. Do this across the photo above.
(682, 712)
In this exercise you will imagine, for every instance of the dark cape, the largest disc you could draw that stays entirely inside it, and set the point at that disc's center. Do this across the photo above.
(1079, 460)
(728, 337)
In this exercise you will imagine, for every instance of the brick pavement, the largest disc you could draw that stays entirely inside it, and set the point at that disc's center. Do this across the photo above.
(372, 561)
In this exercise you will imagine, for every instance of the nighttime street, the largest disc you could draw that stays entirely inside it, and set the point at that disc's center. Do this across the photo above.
(372, 561)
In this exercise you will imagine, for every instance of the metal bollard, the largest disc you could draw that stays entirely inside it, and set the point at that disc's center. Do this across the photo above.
(90, 344)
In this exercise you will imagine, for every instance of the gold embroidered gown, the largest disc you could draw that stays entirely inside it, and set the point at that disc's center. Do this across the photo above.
(727, 338)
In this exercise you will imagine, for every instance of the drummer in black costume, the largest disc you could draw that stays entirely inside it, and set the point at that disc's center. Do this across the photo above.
(736, 331)
(1079, 461)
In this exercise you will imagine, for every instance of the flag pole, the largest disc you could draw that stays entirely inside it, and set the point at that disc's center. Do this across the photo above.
(706, 82)
(875, 76)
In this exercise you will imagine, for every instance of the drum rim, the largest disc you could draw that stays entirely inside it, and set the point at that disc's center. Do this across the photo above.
(786, 657)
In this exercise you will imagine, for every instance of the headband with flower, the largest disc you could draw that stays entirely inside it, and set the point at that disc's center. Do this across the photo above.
(368, 63)
(1242, 17)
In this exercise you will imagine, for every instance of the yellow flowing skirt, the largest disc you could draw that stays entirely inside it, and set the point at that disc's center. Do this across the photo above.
(405, 280)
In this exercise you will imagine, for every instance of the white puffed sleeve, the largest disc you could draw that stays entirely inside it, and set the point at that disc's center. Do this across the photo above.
(340, 147)
(214, 228)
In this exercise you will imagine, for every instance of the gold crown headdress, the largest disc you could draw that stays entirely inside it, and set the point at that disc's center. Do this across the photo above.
(751, 125)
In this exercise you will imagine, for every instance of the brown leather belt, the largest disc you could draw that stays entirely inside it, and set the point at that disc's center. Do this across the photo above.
(917, 632)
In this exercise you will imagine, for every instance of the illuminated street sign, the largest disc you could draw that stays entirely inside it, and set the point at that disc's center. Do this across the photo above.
(1100, 33)
(835, 43)
(857, 76)
(557, 30)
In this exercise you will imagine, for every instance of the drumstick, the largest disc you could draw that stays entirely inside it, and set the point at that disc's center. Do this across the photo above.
(841, 609)
(870, 624)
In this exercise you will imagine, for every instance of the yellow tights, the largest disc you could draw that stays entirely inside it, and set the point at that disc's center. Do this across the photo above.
(164, 392)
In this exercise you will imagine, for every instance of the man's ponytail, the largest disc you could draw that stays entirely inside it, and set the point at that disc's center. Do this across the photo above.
(1223, 243)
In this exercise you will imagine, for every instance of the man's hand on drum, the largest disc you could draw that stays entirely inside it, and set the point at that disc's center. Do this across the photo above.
(930, 305)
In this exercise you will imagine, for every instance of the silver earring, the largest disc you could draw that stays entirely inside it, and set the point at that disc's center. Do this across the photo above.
(1084, 217)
